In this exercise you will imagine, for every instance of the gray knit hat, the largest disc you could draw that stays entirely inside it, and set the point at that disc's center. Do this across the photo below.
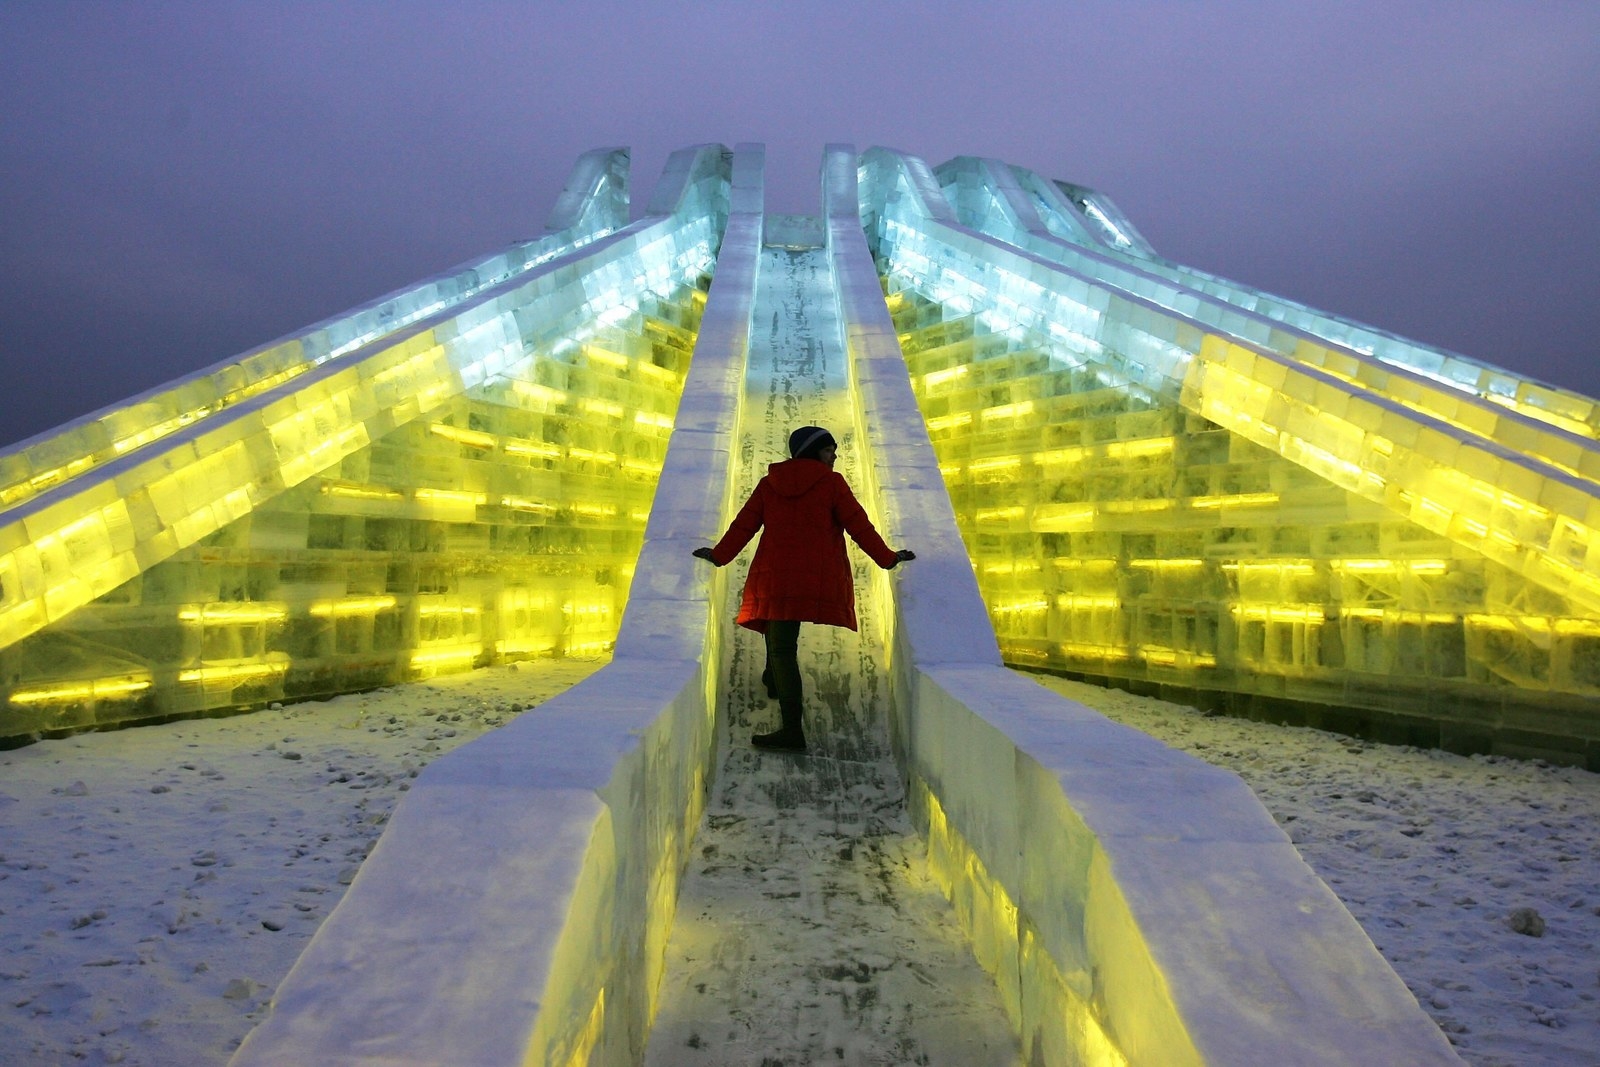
(807, 441)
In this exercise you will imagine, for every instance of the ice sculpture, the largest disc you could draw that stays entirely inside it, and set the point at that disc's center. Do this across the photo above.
(1166, 480)
(1177, 483)
(455, 474)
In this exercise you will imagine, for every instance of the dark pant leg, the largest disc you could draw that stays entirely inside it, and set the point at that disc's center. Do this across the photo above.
(783, 660)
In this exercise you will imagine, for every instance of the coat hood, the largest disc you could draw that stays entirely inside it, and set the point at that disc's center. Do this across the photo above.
(793, 477)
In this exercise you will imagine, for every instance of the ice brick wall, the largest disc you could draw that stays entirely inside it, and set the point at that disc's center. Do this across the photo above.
(517, 907)
(1163, 487)
(1119, 892)
(441, 480)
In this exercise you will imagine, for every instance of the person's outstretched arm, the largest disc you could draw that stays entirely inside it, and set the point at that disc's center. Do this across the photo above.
(744, 526)
(853, 517)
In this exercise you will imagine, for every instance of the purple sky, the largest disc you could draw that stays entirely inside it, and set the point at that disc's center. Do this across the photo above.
(180, 182)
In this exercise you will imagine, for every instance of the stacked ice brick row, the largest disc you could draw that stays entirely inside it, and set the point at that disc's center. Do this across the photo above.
(328, 533)
(1102, 227)
(1120, 531)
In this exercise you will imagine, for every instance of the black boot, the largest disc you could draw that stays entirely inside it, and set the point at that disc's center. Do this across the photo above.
(766, 680)
(790, 737)
(782, 678)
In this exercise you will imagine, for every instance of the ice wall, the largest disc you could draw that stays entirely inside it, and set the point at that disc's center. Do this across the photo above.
(455, 475)
(1178, 483)
(1135, 905)
(517, 907)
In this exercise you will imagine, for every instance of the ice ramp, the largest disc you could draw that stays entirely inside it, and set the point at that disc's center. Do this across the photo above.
(1132, 904)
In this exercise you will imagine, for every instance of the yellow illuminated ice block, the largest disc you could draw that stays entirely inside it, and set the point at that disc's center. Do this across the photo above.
(1148, 498)
(1082, 230)
(596, 205)
(469, 488)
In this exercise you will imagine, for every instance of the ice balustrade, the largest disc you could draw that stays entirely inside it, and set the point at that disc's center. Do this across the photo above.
(1118, 533)
(1041, 217)
(470, 488)
(1134, 905)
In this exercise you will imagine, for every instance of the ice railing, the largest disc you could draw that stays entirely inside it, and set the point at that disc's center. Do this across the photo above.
(67, 545)
(1486, 495)
(594, 205)
(1019, 207)
(1079, 895)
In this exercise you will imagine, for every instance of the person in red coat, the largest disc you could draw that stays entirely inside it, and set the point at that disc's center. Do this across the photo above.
(801, 572)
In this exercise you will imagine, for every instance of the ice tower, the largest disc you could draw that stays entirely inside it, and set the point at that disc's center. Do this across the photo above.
(1163, 479)
(1109, 465)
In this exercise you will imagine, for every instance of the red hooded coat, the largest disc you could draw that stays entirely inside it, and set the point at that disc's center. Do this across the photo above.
(801, 570)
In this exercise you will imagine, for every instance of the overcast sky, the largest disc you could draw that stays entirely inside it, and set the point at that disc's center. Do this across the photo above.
(181, 182)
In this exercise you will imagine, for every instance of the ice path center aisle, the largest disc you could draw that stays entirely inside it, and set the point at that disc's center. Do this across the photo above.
(808, 929)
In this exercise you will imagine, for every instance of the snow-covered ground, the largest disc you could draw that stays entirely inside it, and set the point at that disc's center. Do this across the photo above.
(157, 883)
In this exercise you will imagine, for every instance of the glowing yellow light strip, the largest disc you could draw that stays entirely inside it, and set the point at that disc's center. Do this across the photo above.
(601, 407)
(1010, 566)
(1088, 650)
(476, 438)
(1005, 514)
(1020, 605)
(1133, 507)
(1148, 446)
(370, 605)
(1059, 518)
(1166, 564)
(359, 492)
(66, 692)
(433, 657)
(650, 418)
(603, 355)
(1237, 500)
(522, 503)
(1292, 568)
(1008, 411)
(997, 464)
(1306, 613)
(1392, 566)
(1164, 656)
(234, 672)
(449, 496)
(950, 422)
(934, 379)
(662, 375)
(525, 447)
(233, 613)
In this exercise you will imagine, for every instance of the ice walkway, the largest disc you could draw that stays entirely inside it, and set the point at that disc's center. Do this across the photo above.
(808, 928)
